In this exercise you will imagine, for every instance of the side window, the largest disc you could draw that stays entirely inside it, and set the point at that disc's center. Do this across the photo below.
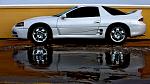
(84, 12)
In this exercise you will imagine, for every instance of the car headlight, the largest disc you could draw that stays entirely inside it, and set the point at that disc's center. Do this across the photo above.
(19, 24)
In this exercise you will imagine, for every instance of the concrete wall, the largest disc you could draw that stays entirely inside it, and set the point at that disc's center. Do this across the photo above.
(12, 15)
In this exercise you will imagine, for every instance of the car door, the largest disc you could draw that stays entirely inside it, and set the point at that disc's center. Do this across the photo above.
(80, 21)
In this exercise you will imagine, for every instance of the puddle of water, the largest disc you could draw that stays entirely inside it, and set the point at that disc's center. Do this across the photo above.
(99, 65)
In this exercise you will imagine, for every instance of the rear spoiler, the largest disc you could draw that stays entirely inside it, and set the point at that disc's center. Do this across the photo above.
(136, 13)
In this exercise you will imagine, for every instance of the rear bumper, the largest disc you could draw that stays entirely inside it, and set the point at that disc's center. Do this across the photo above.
(138, 29)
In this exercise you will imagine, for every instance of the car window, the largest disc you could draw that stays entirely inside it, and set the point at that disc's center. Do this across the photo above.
(59, 14)
(113, 11)
(84, 12)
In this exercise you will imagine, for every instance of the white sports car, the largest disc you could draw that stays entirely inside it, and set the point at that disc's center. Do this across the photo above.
(82, 22)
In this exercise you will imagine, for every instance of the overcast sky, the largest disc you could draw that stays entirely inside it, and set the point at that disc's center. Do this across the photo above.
(135, 2)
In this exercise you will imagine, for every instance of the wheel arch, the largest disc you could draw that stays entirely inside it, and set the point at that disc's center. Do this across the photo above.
(127, 29)
(38, 24)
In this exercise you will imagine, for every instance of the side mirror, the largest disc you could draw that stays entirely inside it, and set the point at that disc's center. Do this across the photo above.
(63, 17)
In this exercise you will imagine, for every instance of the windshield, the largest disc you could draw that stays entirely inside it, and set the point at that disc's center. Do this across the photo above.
(59, 14)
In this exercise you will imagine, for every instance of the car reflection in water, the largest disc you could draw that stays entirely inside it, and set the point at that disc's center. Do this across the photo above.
(93, 65)
(40, 57)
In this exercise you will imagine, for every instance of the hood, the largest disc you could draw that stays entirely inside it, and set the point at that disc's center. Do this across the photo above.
(42, 18)
(50, 20)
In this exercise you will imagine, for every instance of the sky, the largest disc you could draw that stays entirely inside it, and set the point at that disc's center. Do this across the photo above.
(130, 2)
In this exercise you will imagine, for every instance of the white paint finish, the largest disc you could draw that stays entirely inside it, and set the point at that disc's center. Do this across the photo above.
(137, 29)
(82, 27)
(78, 26)
(78, 36)
(51, 21)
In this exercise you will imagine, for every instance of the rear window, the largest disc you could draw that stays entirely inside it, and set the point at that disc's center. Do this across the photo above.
(113, 11)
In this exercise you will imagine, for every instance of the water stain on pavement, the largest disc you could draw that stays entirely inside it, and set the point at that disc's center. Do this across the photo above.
(73, 65)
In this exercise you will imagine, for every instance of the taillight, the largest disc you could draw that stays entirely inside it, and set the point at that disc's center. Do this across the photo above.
(141, 19)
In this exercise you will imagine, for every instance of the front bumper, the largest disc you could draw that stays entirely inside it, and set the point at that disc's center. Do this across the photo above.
(14, 33)
(20, 32)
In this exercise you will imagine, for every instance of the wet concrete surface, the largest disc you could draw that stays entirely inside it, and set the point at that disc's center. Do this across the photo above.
(75, 62)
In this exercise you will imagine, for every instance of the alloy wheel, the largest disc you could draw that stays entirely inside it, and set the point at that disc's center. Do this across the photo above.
(40, 34)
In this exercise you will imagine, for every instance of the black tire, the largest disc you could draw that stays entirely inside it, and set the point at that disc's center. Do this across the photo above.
(40, 35)
(116, 34)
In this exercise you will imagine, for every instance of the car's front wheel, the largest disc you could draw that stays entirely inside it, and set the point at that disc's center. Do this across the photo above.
(40, 35)
(117, 34)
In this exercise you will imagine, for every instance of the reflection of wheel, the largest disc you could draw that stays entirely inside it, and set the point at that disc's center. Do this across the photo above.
(117, 59)
(40, 57)
(117, 34)
(40, 34)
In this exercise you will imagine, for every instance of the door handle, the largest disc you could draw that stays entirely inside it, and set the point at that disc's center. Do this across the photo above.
(97, 22)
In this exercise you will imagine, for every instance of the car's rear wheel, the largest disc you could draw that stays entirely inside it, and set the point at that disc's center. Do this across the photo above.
(117, 34)
(40, 35)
